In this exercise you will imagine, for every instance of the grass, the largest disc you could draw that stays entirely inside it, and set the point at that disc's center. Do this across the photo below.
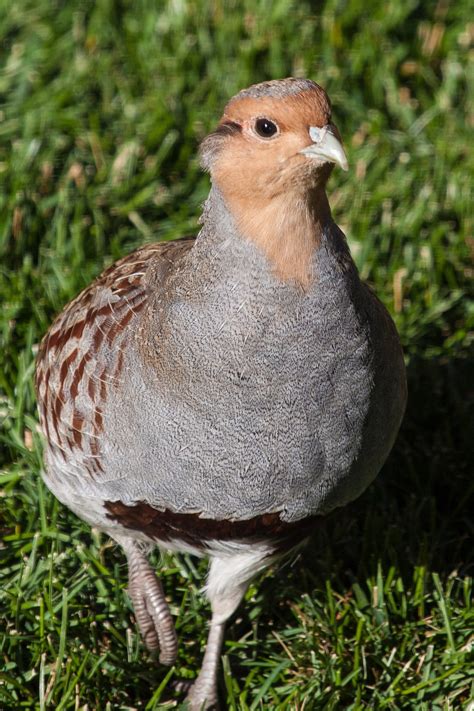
(103, 104)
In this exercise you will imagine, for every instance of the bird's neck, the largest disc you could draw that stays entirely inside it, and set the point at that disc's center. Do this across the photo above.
(286, 229)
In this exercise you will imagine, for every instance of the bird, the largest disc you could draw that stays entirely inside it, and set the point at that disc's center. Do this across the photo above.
(221, 395)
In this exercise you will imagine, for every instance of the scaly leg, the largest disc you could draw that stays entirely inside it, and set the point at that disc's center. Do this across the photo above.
(151, 609)
(203, 694)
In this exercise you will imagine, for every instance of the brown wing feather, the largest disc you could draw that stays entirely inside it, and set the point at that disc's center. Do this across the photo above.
(81, 356)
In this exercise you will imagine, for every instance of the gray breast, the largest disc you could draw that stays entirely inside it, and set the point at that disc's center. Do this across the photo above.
(253, 398)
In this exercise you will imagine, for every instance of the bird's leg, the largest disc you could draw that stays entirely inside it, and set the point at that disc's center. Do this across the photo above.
(203, 694)
(228, 579)
(151, 609)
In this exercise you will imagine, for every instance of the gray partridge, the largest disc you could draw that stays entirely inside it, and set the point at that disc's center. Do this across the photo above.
(219, 395)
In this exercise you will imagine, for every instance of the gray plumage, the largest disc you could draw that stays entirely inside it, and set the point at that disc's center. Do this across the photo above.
(278, 88)
(250, 397)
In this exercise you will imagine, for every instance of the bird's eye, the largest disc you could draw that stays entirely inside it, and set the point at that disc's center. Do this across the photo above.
(265, 128)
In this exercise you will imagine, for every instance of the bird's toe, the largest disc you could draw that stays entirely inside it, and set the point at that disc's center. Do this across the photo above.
(201, 700)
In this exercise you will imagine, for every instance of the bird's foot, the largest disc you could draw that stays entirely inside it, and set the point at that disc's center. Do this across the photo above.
(199, 696)
(202, 697)
(151, 609)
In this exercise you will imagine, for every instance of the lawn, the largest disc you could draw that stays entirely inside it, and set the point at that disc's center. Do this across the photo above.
(102, 108)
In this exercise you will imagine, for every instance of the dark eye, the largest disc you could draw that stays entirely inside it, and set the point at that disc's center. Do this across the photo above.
(265, 128)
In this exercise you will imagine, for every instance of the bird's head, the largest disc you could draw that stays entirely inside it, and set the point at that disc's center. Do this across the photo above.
(270, 157)
(274, 137)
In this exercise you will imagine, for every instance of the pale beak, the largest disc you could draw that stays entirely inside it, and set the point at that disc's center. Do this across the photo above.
(326, 146)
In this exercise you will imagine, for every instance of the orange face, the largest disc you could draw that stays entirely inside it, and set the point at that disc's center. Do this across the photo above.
(270, 157)
(257, 145)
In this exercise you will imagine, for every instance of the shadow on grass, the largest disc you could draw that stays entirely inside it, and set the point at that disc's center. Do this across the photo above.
(419, 510)
(416, 513)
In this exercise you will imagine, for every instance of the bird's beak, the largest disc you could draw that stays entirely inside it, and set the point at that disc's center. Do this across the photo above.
(326, 146)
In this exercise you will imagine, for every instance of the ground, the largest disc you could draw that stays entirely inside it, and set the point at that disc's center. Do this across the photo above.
(102, 107)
